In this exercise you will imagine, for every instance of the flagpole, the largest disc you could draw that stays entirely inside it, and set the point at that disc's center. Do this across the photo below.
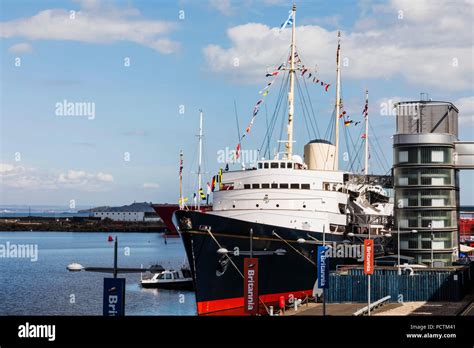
(181, 202)
(200, 160)
(338, 100)
(291, 107)
(366, 132)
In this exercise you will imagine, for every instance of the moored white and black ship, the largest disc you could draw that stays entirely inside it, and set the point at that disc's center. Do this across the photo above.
(290, 206)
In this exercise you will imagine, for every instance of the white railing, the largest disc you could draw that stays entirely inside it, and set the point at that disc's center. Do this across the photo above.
(376, 304)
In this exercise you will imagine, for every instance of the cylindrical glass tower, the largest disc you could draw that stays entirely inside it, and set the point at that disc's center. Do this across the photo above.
(426, 181)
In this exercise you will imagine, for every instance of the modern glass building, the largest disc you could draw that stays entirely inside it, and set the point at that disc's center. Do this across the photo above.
(426, 181)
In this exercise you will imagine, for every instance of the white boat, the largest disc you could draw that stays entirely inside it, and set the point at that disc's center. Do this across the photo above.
(169, 279)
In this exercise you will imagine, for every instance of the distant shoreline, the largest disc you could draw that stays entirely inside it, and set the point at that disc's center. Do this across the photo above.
(77, 224)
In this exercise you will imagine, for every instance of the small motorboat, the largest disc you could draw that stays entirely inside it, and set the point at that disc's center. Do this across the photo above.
(75, 267)
(169, 279)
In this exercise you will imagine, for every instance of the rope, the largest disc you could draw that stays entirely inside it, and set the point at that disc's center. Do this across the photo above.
(291, 246)
(273, 120)
(235, 266)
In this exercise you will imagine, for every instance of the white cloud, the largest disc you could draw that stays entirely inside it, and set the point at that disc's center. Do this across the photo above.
(151, 185)
(425, 52)
(20, 177)
(465, 106)
(105, 177)
(275, 2)
(223, 6)
(22, 47)
(81, 178)
(94, 23)
(6, 169)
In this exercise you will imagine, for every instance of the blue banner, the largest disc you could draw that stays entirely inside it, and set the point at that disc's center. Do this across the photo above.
(323, 269)
(114, 297)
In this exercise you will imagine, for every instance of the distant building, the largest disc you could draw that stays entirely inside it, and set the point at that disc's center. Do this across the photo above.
(133, 212)
(427, 158)
(121, 215)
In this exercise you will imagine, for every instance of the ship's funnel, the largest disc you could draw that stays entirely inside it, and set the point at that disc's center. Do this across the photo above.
(319, 154)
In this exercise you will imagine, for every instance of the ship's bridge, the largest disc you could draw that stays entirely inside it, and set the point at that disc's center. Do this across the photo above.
(280, 164)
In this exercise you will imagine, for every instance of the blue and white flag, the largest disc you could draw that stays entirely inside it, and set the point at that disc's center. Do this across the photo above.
(289, 21)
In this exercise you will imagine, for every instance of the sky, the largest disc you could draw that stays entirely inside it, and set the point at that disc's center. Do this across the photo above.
(144, 69)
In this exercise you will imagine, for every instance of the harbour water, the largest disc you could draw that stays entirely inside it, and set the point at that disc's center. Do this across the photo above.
(46, 287)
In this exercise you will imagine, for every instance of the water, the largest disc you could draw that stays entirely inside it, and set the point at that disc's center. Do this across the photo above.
(46, 287)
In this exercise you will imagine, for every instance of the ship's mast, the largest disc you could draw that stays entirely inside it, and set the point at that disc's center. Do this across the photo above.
(291, 106)
(199, 160)
(338, 99)
(181, 199)
(366, 170)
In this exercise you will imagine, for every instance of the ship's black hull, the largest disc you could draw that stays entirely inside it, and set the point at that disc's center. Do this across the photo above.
(218, 283)
(188, 285)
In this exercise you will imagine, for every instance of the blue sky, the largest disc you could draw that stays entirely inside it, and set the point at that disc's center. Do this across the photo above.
(177, 58)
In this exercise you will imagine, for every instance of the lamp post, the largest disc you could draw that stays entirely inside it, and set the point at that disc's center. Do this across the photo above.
(398, 247)
(399, 263)
(368, 281)
(432, 238)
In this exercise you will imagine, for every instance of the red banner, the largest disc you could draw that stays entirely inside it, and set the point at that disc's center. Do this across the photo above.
(368, 256)
(251, 285)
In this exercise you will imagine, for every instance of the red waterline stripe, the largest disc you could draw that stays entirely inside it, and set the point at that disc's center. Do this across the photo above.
(235, 305)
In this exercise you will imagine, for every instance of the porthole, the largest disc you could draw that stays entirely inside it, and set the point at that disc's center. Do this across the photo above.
(233, 206)
(304, 205)
(278, 205)
(257, 205)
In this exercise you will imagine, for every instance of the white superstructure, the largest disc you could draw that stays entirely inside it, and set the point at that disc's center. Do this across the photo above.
(284, 193)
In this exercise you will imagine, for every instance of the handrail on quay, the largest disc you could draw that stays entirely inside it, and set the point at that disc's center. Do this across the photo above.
(377, 303)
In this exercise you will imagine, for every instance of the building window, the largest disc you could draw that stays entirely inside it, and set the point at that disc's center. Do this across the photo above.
(437, 202)
(255, 186)
(283, 186)
(295, 186)
(246, 186)
(413, 244)
(289, 165)
(437, 156)
(274, 186)
(403, 181)
(305, 186)
(402, 156)
(265, 186)
(265, 165)
(282, 165)
(260, 166)
(274, 165)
